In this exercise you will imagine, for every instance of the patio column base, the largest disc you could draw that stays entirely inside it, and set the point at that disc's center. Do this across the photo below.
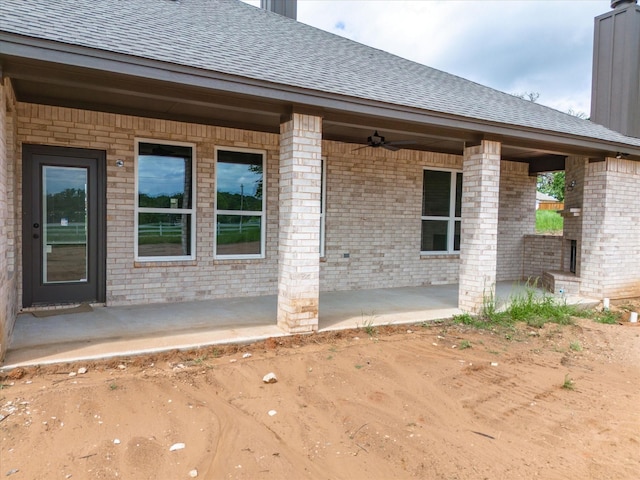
(299, 223)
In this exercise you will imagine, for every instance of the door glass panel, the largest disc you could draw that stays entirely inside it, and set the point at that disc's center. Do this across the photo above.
(64, 224)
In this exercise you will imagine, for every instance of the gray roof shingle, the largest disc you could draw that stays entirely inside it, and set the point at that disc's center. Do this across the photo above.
(232, 37)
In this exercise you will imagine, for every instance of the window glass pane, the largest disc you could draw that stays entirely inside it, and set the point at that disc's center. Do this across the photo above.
(434, 236)
(322, 204)
(456, 237)
(164, 235)
(164, 176)
(322, 236)
(458, 195)
(322, 186)
(436, 193)
(239, 181)
(238, 235)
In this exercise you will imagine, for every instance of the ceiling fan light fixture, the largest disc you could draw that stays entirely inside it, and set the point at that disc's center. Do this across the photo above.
(375, 139)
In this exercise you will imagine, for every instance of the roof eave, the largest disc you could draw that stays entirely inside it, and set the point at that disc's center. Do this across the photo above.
(19, 46)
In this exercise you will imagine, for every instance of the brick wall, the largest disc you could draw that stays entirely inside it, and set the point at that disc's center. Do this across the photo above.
(373, 210)
(5, 320)
(129, 282)
(611, 229)
(8, 277)
(572, 229)
(374, 206)
(516, 218)
(542, 253)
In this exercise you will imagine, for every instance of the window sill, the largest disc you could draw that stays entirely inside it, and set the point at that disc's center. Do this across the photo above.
(439, 256)
(236, 260)
(164, 263)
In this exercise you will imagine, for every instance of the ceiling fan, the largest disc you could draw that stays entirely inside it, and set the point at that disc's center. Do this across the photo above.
(376, 140)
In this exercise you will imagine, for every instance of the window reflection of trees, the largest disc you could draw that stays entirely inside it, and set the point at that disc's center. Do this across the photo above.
(242, 199)
(164, 198)
(69, 204)
(239, 202)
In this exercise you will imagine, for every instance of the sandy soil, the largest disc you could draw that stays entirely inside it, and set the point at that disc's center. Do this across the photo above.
(432, 402)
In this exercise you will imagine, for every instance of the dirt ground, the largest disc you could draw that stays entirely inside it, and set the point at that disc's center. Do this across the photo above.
(436, 401)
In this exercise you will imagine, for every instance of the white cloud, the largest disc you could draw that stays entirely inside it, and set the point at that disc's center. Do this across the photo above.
(514, 46)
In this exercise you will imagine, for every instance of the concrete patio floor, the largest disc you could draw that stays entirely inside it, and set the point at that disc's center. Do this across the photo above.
(130, 330)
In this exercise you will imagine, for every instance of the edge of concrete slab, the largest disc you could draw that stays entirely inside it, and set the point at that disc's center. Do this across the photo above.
(104, 348)
(95, 350)
(73, 352)
(403, 318)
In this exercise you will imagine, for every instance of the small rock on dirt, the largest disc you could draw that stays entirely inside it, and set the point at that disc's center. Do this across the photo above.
(82, 371)
(176, 446)
(246, 355)
(270, 378)
(193, 473)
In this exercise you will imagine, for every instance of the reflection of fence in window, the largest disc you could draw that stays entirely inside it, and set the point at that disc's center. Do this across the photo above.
(159, 233)
(71, 234)
(238, 232)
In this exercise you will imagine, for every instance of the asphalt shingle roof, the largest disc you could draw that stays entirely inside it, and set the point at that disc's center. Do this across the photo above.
(232, 37)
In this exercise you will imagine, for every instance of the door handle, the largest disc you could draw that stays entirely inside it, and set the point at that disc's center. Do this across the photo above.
(36, 225)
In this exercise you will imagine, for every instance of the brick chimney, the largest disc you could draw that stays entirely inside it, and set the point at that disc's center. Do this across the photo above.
(287, 8)
(615, 93)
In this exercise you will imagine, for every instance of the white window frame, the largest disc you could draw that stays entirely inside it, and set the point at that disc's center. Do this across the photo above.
(451, 219)
(323, 204)
(182, 211)
(249, 213)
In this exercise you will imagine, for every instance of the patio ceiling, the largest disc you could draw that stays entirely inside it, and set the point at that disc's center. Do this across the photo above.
(234, 102)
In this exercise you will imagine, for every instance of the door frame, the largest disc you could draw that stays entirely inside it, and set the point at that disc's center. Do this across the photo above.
(98, 258)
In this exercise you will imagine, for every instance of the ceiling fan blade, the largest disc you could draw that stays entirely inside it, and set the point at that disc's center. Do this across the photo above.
(389, 146)
(376, 140)
(360, 148)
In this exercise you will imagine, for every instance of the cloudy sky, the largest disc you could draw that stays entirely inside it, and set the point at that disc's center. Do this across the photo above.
(541, 46)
